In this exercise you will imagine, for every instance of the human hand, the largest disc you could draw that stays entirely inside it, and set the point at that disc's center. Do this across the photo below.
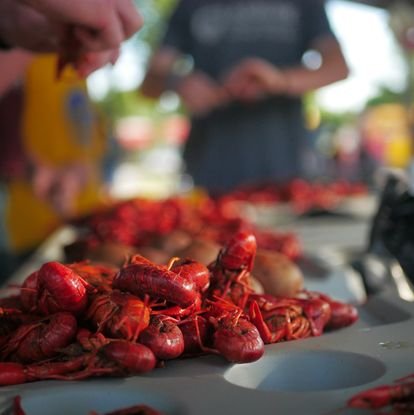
(24, 27)
(84, 63)
(200, 93)
(254, 78)
(98, 24)
(59, 187)
(86, 34)
(91, 61)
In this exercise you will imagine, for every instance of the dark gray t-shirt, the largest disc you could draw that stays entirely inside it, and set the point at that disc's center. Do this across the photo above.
(246, 143)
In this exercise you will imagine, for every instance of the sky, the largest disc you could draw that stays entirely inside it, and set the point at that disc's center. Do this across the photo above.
(366, 40)
(371, 52)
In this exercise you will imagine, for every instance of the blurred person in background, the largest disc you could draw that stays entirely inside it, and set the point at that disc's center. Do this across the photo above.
(51, 152)
(245, 86)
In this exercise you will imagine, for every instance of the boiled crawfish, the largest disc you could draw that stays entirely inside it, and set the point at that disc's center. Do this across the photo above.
(230, 273)
(282, 319)
(53, 288)
(141, 278)
(399, 397)
(118, 314)
(234, 337)
(40, 339)
(163, 337)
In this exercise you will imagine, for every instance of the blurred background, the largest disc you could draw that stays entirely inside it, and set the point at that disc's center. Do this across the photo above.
(360, 124)
(75, 147)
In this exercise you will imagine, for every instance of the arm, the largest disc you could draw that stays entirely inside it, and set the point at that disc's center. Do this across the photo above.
(200, 94)
(13, 65)
(256, 77)
(333, 68)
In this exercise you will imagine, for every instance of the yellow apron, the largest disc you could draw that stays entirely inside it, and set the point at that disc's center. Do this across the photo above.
(59, 128)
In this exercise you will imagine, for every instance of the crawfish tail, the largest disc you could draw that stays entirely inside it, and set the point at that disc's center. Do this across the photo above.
(240, 342)
(193, 271)
(239, 252)
(129, 357)
(158, 282)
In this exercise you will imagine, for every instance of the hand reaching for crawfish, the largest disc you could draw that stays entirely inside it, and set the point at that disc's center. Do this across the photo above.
(86, 34)
(72, 52)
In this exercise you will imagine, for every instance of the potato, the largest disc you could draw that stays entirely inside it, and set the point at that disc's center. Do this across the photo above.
(256, 285)
(277, 273)
(110, 253)
(157, 256)
(173, 242)
(200, 250)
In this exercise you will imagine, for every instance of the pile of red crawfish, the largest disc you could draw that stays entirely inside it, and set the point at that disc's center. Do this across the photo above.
(303, 196)
(81, 320)
(140, 222)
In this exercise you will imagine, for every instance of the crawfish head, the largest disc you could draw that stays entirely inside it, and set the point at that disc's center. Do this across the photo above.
(55, 287)
(318, 312)
(163, 337)
(239, 252)
(118, 314)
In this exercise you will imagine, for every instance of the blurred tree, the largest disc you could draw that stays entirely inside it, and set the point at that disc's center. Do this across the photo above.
(117, 104)
(385, 96)
(155, 15)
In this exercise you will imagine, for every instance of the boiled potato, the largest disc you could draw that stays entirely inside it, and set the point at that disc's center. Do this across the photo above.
(278, 275)
(173, 242)
(200, 250)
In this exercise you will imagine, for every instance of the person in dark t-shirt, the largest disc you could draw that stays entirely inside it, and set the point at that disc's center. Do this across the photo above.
(245, 86)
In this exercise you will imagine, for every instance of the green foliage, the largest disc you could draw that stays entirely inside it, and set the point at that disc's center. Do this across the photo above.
(385, 96)
(118, 104)
(155, 14)
(333, 120)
